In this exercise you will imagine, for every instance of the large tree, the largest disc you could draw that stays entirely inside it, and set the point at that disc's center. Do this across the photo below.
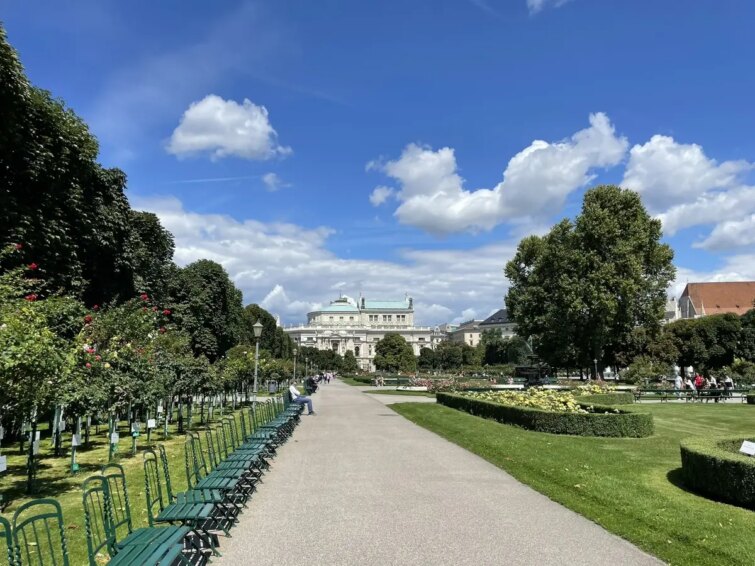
(207, 305)
(274, 339)
(580, 290)
(393, 353)
(707, 343)
(70, 213)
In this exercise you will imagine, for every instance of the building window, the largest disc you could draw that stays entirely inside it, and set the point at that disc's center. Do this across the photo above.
(340, 318)
(351, 318)
(387, 318)
(373, 318)
(421, 339)
(330, 318)
(356, 351)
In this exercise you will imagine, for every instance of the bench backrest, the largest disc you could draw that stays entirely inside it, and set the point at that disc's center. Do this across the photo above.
(39, 535)
(6, 540)
(97, 520)
(120, 508)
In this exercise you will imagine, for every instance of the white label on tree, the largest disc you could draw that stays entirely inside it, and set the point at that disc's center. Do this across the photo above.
(76, 440)
(136, 427)
(35, 448)
(62, 426)
(36, 438)
(89, 421)
(2, 433)
(114, 438)
(151, 423)
(160, 410)
(748, 448)
(3, 463)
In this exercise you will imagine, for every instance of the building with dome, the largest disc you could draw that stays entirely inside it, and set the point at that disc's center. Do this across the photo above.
(343, 326)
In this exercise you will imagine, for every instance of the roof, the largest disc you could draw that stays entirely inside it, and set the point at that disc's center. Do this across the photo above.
(500, 316)
(716, 298)
(339, 307)
(383, 305)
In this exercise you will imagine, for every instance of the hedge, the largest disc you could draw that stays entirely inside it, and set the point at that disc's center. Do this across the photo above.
(615, 422)
(751, 398)
(617, 398)
(714, 467)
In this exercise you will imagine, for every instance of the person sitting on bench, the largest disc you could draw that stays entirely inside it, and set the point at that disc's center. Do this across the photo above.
(298, 398)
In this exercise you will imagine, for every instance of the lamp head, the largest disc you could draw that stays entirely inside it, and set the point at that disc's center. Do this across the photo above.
(257, 328)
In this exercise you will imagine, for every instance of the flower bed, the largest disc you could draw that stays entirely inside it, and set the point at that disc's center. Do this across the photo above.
(572, 417)
(714, 467)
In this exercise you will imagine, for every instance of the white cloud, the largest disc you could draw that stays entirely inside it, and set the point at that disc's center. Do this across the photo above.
(666, 173)
(289, 270)
(225, 128)
(535, 183)
(709, 208)
(535, 6)
(273, 182)
(731, 234)
(380, 195)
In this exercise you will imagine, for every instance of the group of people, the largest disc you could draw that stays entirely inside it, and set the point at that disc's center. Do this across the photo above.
(311, 384)
(701, 383)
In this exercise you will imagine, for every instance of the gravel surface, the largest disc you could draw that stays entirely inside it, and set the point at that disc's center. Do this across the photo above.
(359, 484)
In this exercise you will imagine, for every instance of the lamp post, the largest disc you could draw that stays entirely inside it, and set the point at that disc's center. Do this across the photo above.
(595, 361)
(295, 352)
(257, 328)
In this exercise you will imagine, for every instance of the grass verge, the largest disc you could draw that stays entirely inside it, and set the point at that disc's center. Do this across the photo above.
(630, 486)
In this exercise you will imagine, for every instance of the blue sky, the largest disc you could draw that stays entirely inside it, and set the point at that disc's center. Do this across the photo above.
(405, 147)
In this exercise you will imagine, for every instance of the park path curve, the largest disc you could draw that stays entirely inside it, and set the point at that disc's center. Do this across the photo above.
(359, 484)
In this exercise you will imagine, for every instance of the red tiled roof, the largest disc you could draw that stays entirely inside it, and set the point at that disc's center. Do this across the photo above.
(717, 298)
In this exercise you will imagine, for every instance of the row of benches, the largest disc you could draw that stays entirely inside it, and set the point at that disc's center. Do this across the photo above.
(691, 394)
(184, 527)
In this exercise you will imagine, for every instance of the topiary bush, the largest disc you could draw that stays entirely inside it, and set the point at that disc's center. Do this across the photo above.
(616, 398)
(714, 467)
(602, 421)
(751, 398)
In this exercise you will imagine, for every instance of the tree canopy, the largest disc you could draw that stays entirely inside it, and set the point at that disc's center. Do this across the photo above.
(580, 290)
(393, 353)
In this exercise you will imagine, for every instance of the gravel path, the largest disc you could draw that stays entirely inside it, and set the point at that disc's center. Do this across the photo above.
(358, 484)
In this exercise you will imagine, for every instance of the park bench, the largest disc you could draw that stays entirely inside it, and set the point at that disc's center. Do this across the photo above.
(39, 535)
(6, 540)
(691, 395)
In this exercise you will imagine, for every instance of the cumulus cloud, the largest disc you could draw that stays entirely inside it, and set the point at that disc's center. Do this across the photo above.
(273, 182)
(731, 234)
(289, 270)
(380, 195)
(535, 183)
(535, 6)
(223, 128)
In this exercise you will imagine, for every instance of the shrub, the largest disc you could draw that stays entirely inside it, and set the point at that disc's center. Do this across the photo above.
(751, 398)
(615, 398)
(714, 467)
(597, 421)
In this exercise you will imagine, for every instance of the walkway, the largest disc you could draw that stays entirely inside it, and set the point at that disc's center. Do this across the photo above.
(358, 484)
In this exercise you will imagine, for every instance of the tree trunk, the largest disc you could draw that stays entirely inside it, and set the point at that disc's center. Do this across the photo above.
(30, 463)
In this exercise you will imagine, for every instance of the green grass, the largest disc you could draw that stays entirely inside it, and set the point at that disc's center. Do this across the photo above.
(54, 479)
(400, 392)
(632, 487)
(351, 381)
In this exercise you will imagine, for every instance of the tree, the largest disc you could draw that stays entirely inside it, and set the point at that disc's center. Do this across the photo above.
(580, 290)
(274, 339)
(707, 343)
(70, 213)
(150, 248)
(350, 364)
(449, 355)
(393, 353)
(470, 356)
(427, 359)
(207, 305)
(746, 349)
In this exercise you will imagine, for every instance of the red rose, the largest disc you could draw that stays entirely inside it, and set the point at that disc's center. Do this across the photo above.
(33, 266)
(19, 246)
(98, 358)
(90, 351)
(162, 330)
(89, 366)
(31, 298)
(144, 296)
(96, 307)
(88, 319)
(166, 312)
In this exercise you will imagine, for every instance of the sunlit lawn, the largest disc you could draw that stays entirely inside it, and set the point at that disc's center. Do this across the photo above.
(632, 487)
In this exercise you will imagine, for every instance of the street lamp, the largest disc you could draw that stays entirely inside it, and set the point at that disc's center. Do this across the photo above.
(257, 328)
(595, 361)
(295, 352)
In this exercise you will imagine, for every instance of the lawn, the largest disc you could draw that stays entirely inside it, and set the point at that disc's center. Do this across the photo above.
(629, 486)
(399, 392)
(55, 480)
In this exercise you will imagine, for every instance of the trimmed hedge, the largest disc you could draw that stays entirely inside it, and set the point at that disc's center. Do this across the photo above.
(751, 398)
(615, 422)
(618, 398)
(714, 467)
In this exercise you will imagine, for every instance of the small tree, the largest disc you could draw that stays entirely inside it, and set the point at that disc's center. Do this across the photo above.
(350, 364)
(393, 353)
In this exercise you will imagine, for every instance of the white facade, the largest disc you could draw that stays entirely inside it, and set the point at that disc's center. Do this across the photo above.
(342, 326)
(467, 333)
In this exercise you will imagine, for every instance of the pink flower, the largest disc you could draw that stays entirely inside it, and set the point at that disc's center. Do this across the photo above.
(154, 309)
(19, 246)
(88, 319)
(31, 298)
(144, 297)
(166, 312)
(98, 358)
(162, 330)
(33, 266)
(96, 307)
(88, 365)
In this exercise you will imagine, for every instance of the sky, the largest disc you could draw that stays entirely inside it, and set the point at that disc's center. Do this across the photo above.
(388, 148)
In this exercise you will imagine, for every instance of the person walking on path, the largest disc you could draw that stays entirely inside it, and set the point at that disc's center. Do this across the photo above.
(678, 385)
(299, 399)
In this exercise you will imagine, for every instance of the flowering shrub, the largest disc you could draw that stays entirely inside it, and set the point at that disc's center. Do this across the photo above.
(535, 398)
(436, 385)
